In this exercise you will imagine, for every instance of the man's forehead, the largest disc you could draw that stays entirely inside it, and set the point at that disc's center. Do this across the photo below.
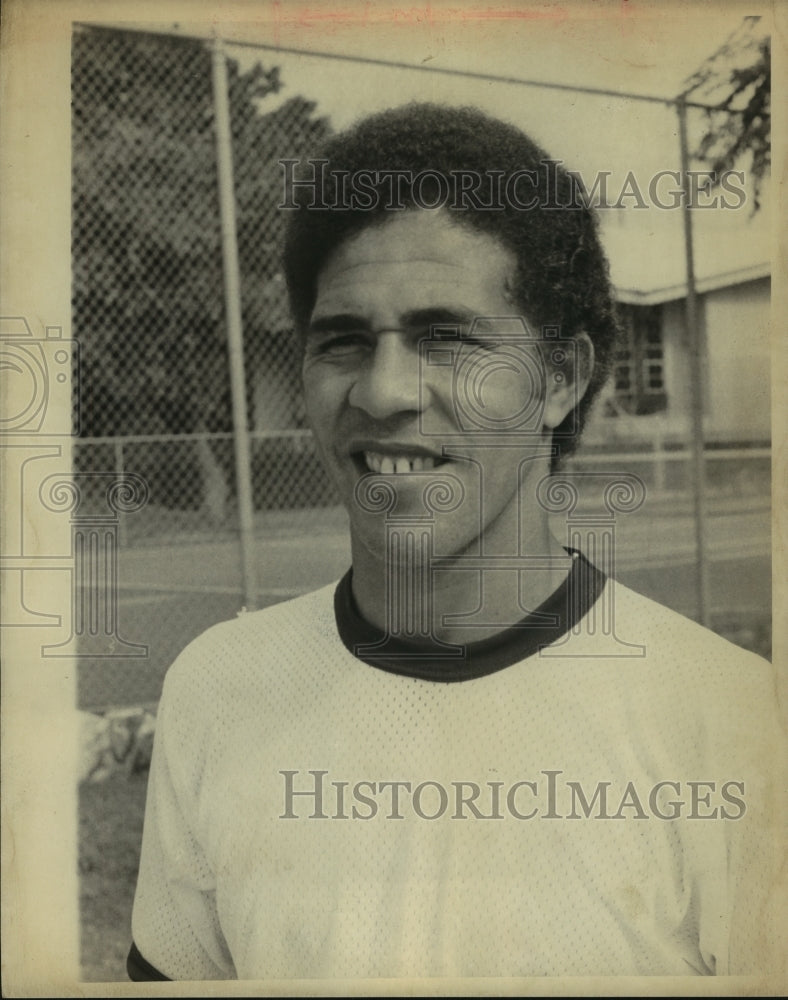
(424, 233)
(422, 253)
(420, 273)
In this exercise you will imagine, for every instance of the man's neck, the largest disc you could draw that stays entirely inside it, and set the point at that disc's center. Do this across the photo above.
(456, 599)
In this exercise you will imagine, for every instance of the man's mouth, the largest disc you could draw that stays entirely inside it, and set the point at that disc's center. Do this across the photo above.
(391, 464)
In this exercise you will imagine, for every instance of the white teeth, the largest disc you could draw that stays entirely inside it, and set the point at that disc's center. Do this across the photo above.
(387, 465)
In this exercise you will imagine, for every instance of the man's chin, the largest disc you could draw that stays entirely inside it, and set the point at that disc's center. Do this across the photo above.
(403, 543)
(391, 545)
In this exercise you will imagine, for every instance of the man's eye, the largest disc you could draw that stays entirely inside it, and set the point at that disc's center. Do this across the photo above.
(485, 341)
(340, 344)
(463, 334)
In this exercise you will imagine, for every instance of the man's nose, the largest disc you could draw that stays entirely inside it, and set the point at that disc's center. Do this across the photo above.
(389, 383)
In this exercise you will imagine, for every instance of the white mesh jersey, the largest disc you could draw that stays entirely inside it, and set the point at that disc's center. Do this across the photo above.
(572, 867)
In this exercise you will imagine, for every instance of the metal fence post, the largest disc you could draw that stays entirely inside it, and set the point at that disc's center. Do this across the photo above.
(123, 534)
(232, 299)
(698, 471)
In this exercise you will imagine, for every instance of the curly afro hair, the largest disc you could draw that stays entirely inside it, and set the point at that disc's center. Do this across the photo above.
(562, 278)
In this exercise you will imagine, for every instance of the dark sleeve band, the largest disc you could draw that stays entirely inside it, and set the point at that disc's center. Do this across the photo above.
(140, 970)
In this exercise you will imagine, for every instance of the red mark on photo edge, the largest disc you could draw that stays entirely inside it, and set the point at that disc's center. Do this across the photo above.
(368, 14)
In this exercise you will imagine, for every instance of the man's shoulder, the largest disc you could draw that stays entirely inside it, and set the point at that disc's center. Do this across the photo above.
(678, 688)
(307, 609)
(667, 629)
(681, 655)
(226, 654)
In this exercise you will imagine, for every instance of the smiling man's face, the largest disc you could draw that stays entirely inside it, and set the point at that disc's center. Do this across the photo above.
(368, 398)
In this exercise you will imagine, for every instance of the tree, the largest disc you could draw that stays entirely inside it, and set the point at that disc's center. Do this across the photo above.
(148, 296)
(736, 81)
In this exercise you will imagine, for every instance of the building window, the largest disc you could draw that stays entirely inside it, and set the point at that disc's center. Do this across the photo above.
(639, 367)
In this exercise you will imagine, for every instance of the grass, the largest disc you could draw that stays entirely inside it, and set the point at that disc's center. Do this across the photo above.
(110, 833)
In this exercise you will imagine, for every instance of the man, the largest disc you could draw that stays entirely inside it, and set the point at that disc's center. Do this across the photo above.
(452, 763)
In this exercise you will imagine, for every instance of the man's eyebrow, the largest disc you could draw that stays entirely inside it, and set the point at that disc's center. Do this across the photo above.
(438, 316)
(338, 323)
(412, 319)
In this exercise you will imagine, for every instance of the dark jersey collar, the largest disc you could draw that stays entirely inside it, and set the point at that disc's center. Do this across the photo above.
(435, 661)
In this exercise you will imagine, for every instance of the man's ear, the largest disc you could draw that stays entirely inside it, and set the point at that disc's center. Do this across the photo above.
(567, 383)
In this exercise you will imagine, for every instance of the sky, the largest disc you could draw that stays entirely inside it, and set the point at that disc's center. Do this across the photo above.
(620, 49)
(633, 46)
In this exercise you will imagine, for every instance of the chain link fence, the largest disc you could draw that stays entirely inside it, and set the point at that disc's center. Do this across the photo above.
(149, 312)
(150, 316)
(148, 290)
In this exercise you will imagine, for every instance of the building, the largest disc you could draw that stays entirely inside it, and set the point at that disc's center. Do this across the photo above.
(650, 395)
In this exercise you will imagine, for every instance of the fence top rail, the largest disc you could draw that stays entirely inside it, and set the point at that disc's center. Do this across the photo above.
(655, 454)
(290, 432)
(671, 455)
(680, 100)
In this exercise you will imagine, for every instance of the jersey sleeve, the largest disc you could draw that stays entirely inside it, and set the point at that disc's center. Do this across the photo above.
(175, 925)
